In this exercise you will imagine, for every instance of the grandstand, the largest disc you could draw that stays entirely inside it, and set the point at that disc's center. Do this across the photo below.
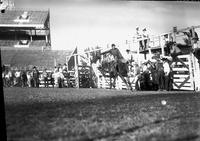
(25, 29)
(27, 58)
(25, 39)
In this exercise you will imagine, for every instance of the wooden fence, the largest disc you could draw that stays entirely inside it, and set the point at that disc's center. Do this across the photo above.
(183, 76)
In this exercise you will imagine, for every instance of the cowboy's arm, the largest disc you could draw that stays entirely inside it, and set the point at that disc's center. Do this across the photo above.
(105, 52)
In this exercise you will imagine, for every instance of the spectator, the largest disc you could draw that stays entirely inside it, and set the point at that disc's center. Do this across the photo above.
(12, 76)
(3, 68)
(3, 77)
(55, 69)
(167, 74)
(139, 37)
(60, 68)
(160, 75)
(65, 73)
(65, 67)
(9, 78)
(18, 77)
(6, 78)
(36, 75)
(50, 77)
(45, 77)
(24, 78)
(145, 36)
(29, 78)
(146, 77)
(154, 74)
(129, 56)
(137, 71)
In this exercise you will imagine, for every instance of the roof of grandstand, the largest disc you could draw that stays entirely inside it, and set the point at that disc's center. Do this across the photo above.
(23, 19)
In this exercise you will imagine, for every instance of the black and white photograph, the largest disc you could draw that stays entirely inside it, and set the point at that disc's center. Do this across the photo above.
(100, 70)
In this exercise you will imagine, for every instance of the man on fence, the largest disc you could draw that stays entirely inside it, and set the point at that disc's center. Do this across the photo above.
(138, 37)
(145, 36)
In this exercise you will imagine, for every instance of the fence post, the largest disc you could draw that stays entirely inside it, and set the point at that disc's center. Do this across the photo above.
(76, 71)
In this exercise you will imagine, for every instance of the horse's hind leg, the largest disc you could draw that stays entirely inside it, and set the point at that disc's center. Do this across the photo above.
(114, 82)
(128, 85)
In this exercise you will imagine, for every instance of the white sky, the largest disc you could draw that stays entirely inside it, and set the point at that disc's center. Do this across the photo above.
(99, 22)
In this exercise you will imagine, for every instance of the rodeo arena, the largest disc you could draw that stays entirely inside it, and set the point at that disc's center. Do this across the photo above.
(115, 82)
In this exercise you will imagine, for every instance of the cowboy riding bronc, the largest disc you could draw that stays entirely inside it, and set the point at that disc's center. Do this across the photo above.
(116, 54)
(118, 66)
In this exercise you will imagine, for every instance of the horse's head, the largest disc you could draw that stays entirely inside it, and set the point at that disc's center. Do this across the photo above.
(173, 49)
(170, 44)
(96, 55)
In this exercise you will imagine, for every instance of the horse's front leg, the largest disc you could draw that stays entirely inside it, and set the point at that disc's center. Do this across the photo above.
(114, 82)
(110, 82)
(129, 83)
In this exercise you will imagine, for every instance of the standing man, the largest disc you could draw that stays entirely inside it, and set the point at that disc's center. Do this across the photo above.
(36, 75)
(24, 78)
(45, 76)
(160, 74)
(167, 74)
(65, 68)
(138, 37)
(18, 76)
(29, 78)
(145, 36)
(146, 77)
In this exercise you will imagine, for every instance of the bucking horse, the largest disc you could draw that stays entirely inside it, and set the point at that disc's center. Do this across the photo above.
(111, 68)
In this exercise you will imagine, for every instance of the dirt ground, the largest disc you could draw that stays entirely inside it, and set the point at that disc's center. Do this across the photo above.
(53, 114)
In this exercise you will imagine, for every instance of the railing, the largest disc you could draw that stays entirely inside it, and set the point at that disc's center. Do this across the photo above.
(159, 41)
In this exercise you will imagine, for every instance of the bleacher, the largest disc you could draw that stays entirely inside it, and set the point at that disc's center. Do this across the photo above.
(27, 57)
(9, 43)
(37, 43)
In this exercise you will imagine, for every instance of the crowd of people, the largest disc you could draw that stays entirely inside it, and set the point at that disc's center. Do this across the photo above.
(33, 78)
(154, 74)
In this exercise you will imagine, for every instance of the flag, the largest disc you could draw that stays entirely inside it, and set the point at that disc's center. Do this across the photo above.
(71, 61)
